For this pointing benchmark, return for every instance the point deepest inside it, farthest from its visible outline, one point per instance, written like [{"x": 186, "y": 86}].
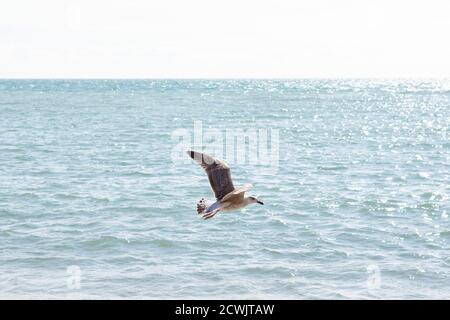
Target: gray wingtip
[
  {"x": 191, "y": 153},
  {"x": 203, "y": 159}
]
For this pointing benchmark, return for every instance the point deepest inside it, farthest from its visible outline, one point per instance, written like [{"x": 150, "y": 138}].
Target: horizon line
[{"x": 226, "y": 78}]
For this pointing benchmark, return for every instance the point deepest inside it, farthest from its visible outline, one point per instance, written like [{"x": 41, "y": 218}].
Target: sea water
[{"x": 92, "y": 204}]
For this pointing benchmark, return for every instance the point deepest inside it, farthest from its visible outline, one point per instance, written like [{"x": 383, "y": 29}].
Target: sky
[{"x": 224, "y": 39}]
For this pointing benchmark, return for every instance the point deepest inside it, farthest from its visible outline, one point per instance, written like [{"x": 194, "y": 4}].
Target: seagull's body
[{"x": 228, "y": 198}]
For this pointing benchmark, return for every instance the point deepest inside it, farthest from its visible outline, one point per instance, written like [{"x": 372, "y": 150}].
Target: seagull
[{"x": 228, "y": 198}]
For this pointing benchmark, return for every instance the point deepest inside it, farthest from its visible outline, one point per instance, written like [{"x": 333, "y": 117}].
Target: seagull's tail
[{"x": 201, "y": 206}]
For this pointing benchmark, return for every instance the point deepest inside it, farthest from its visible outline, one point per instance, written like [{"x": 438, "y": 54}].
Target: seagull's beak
[{"x": 260, "y": 202}]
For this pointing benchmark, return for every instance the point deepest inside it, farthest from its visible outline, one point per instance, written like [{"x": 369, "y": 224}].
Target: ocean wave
[{"x": 106, "y": 241}]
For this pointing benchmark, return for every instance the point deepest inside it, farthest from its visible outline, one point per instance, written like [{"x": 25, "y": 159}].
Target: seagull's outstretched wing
[{"x": 219, "y": 173}]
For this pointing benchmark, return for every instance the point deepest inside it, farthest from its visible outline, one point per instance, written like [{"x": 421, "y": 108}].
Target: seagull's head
[{"x": 255, "y": 200}]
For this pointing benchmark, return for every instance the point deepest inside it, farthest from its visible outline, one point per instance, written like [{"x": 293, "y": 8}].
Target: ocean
[{"x": 94, "y": 205}]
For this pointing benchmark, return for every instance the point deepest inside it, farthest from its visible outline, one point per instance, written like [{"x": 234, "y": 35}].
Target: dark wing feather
[{"x": 219, "y": 173}]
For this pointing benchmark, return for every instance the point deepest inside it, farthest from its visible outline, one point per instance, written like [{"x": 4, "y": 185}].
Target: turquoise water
[{"x": 358, "y": 207}]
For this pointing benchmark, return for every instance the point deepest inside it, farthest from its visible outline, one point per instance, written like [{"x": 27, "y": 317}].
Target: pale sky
[{"x": 224, "y": 39}]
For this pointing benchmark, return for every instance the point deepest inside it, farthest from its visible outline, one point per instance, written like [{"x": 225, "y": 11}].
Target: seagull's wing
[
  {"x": 219, "y": 173},
  {"x": 238, "y": 192}
]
